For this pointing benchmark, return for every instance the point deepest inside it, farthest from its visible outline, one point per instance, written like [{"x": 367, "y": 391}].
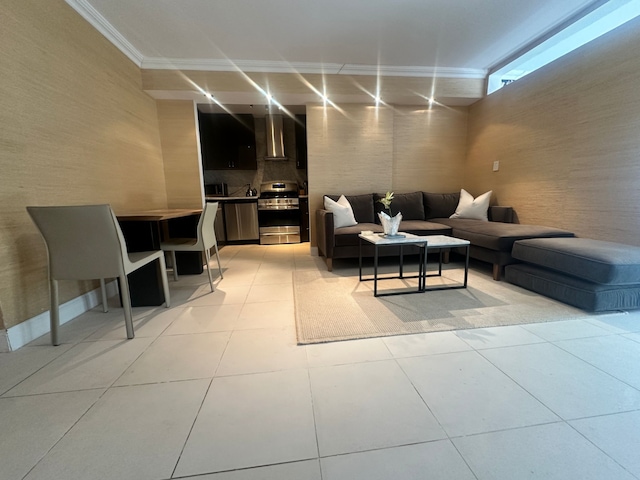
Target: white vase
[{"x": 390, "y": 225}]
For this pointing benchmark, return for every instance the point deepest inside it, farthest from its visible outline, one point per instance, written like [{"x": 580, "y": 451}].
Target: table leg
[
  {"x": 401, "y": 268},
  {"x": 375, "y": 270},
  {"x": 359, "y": 258},
  {"x": 422, "y": 269},
  {"x": 466, "y": 267}
]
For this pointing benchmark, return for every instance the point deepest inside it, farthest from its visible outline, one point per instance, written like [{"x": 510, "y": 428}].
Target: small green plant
[{"x": 386, "y": 201}]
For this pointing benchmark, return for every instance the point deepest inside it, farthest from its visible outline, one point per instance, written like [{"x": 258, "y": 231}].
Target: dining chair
[
  {"x": 206, "y": 239},
  {"x": 85, "y": 242}
]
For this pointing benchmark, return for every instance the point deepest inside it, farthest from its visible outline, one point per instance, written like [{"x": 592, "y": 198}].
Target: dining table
[{"x": 144, "y": 230}]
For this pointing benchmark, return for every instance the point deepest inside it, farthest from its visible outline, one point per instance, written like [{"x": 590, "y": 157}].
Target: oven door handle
[{"x": 280, "y": 207}]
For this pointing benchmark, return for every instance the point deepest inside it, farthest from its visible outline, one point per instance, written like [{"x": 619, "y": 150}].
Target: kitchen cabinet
[
  {"x": 301, "y": 142},
  {"x": 227, "y": 142},
  {"x": 304, "y": 218}
]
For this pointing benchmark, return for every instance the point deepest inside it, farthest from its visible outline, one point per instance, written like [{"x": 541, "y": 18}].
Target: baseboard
[
  {"x": 27, "y": 331},
  {"x": 313, "y": 251}
]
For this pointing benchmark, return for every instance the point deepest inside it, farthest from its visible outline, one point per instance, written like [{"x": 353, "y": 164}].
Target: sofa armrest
[
  {"x": 501, "y": 214},
  {"x": 325, "y": 232}
]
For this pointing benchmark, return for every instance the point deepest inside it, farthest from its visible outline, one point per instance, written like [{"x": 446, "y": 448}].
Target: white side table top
[{"x": 432, "y": 241}]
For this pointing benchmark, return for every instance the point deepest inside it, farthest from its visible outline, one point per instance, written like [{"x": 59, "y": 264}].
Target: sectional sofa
[{"x": 425, "y": 213}]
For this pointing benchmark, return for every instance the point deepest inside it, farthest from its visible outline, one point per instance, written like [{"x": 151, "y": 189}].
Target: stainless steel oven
[{"x": 279, "y": 213}]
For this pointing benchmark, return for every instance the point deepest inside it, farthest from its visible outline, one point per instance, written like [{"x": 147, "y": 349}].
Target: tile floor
[{"x": 216, "y": 388}]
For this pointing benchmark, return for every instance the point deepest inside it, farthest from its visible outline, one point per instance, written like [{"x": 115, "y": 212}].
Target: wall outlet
[{"x": 496, "y": 165}]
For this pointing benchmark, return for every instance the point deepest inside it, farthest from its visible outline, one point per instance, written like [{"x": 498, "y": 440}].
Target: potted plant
[{"x": 390, "y": 224}]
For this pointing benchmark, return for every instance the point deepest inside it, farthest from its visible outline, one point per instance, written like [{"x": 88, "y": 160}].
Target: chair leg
[
  {"x": 103, "y": 289},
  {"x": 165, "y": 281},
  {"x": 218, "y": 259},
  {"x": 55, "y": 312},
  {"x": 174, "y": 264},
  {"x": 126, "y": 305},
  {"x": 207, "y": 257}
]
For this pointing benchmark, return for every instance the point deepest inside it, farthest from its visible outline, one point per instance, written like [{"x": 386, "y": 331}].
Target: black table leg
[
  {"x": 375, "y": 270},
  {"x": 466, "y": 267},
  {"x": 360, "y": 258}
]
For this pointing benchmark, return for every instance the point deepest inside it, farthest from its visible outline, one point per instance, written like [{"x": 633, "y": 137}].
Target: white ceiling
[{"x": 412, "y": 38}]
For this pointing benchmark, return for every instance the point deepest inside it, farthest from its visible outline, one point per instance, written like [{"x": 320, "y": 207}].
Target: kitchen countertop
[{"x": 211, "y": 198}]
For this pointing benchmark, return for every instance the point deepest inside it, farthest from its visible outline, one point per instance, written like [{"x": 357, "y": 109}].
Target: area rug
[{"x": 332, "y": 307}]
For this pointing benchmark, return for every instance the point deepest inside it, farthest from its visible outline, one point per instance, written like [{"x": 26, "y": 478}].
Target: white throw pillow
[
  {"x": 342, "y": 212},
  {"x": 468, "y": 207}
]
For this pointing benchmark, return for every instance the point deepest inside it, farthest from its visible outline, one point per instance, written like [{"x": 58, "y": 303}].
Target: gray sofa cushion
[
  {"x": 593, "y": 260},
  {"x": 348, "y": 236},
  {"x": 421, "y": 227},
  {"x": 497, "y": 235},
  {"x": 440, "y": 205},
  {"x": 580, "y": 293},
  {"x": 362, "y": 206},
  {"x": 410, "y": 204}
]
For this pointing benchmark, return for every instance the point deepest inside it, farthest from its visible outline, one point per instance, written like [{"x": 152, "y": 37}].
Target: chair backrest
[
  {"x": 83, "y": 242},
  {"x": 206, "y": 231}
]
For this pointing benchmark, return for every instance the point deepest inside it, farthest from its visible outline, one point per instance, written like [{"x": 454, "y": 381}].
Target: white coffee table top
[{"x": 432, "y": 241}]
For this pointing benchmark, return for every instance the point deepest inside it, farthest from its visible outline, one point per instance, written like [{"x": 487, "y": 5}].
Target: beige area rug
[{"x": 332, "y": 307}]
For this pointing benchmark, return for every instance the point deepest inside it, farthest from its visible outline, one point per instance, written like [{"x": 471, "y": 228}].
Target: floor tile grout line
[
  {"x": 204, "y": 398},
  {"x": 598, "y": 448},
  {"x": 315, "y": 420},
  {"x": 609, "y": 374},
  {"x": 2, "y": 394},
  {"x": 193, "y": 423},
  {"x": 66, "y": 432},
  {"x": 522, "y": 386}
]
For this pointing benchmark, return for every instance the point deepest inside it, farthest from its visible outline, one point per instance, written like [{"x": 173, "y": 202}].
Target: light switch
[{"x": 496, "y": 165}]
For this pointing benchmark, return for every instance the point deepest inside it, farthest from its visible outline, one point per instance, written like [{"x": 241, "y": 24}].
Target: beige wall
[
  {"x": 429, "y": 148},
  {"x": 182, "y": 164},
  {"x": 75, "y": 128},
  {"x": 567, "y": 138},
  {"x": 363, "y": 149}
]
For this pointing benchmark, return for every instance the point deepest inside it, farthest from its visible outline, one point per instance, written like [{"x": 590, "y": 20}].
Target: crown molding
[
  {"x": 412, "y": 71},
  {"x": 225, "y": 65},
  {"x": 91, "y": 15}
]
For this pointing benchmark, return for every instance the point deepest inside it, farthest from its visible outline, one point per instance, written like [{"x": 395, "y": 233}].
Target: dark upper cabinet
[
  {"x": 227, "y": 141},
  {"x": 301, "y": 141}
]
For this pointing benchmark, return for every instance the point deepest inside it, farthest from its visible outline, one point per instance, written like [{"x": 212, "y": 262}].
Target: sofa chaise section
[{"x": 492, "y": 242}]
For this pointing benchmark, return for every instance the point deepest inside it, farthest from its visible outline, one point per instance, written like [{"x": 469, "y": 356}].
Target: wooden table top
[{"x": 157, "y": 215}]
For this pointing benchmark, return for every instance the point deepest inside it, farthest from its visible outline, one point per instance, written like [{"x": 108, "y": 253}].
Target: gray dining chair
[
  {"x": 85, "y": 242},
  {"x": 206, "y": 239}
]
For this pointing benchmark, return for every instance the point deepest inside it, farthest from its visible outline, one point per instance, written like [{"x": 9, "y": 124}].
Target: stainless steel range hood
[{"x": 275, "y": 139}]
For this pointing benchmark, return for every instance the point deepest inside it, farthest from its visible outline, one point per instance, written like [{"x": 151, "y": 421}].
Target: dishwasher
[{"x": 241, "y": 221}]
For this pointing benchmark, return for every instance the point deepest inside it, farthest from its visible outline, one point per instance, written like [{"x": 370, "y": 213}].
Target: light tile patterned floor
[{"x": 216, "y": 388}]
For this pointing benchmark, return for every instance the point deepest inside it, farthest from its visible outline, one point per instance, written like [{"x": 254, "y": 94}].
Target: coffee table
[{"x": 424, "y": 243}]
